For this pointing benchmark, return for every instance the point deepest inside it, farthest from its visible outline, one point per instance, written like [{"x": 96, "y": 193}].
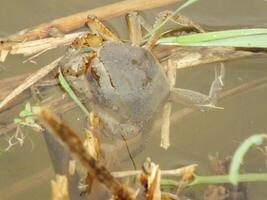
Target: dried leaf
[
  {"x": 60, "y": 188},
  {"x": 154, "y": 192},
  {"x": 91, "y": 144},
  {"x": 93, "y": 120},
  {"x": 88, "y": 183},
  {"x": 150, "y": 179},
  {"x": 188, "y": 173},
  {"x": 3, "y": 55}
]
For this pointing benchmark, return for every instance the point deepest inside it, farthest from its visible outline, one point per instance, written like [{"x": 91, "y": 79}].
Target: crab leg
[
  {"x": 178, "y": 19},
  {"x": 217, "y": 85},
  {"x": 195, "y": 99},
  {"x": 98, "y": 27},
  {"x": 166, "y": 113},
  {"x": 134, "y": 28},
  {"x": 135, "y": 23}
]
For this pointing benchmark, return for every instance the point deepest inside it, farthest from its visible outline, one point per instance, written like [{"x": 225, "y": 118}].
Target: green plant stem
[
  {"x": 70, "y": 92},
  {"x": 256, "y": 139},
  {"x": 250, "y": 177},
  {"x": 168, "y": 183}
]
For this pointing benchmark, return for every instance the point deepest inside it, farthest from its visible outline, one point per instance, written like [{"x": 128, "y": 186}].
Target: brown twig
[
  {"x": 75, "y": 145},
  {"x": 73, "y": 22}
]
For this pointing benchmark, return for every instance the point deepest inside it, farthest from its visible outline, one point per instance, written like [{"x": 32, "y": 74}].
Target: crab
[{"x": 123, "y": 83}]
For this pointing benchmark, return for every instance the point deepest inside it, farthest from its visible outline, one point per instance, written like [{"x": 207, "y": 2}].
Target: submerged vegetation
[{"x": 182, "y": 50}]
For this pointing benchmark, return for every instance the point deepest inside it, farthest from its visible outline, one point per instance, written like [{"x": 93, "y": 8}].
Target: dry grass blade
[
  {"x": 73, "y": 22},
  {"x": 75, "y": 145},
  {"x": 36, "y": 46},
  {"x": 32, "y": 79},
  {"x": 154, "y": 192},
  {"x": 172, "y": 172},
  {"x": 3, "y": 55},
  {"x": 149, "y": 179},
  {"x": 193, "y": 56}
]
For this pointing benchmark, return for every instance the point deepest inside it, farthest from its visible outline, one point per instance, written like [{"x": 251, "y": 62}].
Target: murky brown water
[{"x": 25, "y": 171}]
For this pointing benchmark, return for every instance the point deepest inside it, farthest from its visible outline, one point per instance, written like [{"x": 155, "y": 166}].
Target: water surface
[{"x": 25, "y": 172}]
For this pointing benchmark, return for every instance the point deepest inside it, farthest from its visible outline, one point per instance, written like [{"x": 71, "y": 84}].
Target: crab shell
[
  {"x": 123, "y": 83},
  {"x": 130, "y": 81}
]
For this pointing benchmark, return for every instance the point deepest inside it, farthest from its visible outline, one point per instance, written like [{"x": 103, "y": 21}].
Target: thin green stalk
[
  {"x": 250, "y": 177},
  {"x": 168, "y": 183},
  {"x": 256, "y": 139},
  {"x": 198, "y": 180},
  {"x": 70, "y": 92}
]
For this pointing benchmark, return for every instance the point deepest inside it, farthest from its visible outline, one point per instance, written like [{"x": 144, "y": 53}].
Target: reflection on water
[{"x": 25, "y": 171}]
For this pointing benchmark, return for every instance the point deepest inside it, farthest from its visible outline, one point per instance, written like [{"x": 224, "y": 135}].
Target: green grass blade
[
  {"x": 67, "y": 88},
  {"x": 233, "y": 38},
  {"x": 252, "y": 41},
  {"x": 186, "y": 4},
  {"x": 219, "y": 179},
  {"x": 240, "y": 153}
]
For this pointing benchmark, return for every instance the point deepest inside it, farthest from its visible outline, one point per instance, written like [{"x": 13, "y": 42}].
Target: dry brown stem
[
  {"x": 172, "y": 172},
  {"x": 73, "y": 22},
  {"x": 75, "y": 145},
  {"x": 29, "y": 81},
  {"x": 193, "y": 56},
  {"x": 37, "y": 46}
]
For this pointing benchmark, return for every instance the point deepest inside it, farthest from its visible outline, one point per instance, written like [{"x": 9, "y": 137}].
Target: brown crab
[{"x": 123, "y": 83}]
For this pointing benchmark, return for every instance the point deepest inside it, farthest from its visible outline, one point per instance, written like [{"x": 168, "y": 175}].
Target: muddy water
[{"x": 25, "y": 171}]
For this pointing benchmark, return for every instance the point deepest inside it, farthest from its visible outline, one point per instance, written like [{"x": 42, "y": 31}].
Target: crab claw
[{"x": 217, "y": 85}]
